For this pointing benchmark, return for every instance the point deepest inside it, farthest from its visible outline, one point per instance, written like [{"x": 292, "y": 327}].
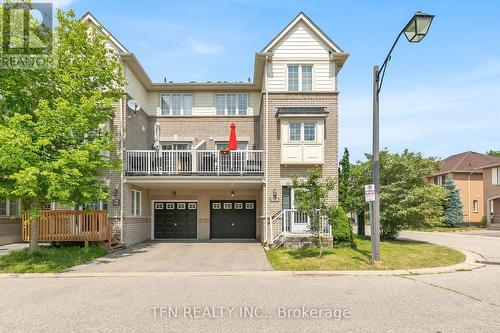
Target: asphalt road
[{"x": 454, "y": 302}]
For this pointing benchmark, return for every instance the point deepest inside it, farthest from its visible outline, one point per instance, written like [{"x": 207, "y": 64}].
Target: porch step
[{"x": 279, "y": 242}]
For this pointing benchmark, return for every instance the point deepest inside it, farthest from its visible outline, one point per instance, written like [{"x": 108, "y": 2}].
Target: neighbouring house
[
  {"x": 491, "y": 181},
  {"x": 466, "y": 170},
  {"x": 180, "y": 181},
  {"x": 10, "y": 223}
]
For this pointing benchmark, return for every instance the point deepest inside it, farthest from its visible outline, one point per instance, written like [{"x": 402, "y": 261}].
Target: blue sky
[{"x": 440, "y": 96}]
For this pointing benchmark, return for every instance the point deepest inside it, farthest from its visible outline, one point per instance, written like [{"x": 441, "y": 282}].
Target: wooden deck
[{"x": 71, "y": 225}]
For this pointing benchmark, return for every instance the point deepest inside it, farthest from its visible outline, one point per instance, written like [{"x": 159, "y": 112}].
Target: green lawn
[
  {"x": 48, "y": 259},
  {"x": 394, "y": 254},
  {"x": 446, "y": 228}
]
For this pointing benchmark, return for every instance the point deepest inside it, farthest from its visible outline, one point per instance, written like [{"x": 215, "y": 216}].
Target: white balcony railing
[{"x": 187, "y": 162}]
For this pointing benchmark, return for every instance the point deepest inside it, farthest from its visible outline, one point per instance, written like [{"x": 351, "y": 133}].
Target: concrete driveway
[{"x": 183, "y": 256}]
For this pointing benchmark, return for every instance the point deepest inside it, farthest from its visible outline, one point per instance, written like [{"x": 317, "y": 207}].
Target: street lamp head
[{"x": 418, "y": 26}]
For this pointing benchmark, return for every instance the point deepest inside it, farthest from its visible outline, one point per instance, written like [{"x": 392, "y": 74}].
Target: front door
[
  {"x": 175, "y": 220},
  {"x": 232, "y": 219}
]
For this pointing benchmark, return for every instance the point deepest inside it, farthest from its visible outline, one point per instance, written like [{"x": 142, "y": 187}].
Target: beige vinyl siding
[
  {"x": 204, "y": 103},
  {"x": 301, "y": 47},
  {"x": 324, "y": 76},
  {"x": 301, "y": 44},
  {"x": 135, "y": 89}
]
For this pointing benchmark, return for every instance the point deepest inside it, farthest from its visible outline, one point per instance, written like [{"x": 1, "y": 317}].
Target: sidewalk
[{"x": 6, "y": 249}]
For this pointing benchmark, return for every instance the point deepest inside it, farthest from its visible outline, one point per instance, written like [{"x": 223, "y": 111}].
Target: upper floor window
[
  {"x": 302, "y": 131},
  {"x": 495, "y": 176},
  {"x": 231, "y": 104},
  {"x": 9, "y": 207},
  {"x": 300, "y": 77},
  {"x": 176, "y": 104}
]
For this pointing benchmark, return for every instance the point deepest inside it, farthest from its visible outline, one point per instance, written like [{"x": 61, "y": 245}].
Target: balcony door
[
  {"x": 176, "y": 146},
  {"x": 176, "y": 157}
]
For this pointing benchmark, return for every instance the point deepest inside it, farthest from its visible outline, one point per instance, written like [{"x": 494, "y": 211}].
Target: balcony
[{"x": 194, "y": 162}]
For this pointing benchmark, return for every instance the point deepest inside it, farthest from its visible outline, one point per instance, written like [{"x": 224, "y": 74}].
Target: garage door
[
  {"x": 175, "y": 220},
  {"x": 232, "y": 219}
]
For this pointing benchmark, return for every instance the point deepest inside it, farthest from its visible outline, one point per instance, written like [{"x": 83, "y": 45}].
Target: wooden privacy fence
[{"x": 70, "y": 225}]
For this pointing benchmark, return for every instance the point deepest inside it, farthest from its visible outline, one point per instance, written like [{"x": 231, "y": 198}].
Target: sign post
[{"x": 370, "y": 198}]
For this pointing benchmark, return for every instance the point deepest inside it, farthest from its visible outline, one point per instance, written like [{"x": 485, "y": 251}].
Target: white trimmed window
[
  {"x": 439, "y": 180},
  {"x": 176, "y": 104},
  {"x": 231, "y": 104},
  {"x": 9, "y": 207},
  {"x": 302, "y": 131},
  {"x": 495, "y": 176},
  {"x": 475, "y": 206},
  {"x": 136, "y": 203},
  {"x": 300, "y": 77}
]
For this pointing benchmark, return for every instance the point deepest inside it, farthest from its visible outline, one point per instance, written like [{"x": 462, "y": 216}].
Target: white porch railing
[
  {"x": 185, "y": 162},
  {"x": 292, "y": 222}
]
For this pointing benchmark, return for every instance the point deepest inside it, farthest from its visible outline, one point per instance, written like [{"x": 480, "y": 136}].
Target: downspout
[
  {"x": 122, "y": 178},
  {"x": 266, "y": 153},
  {"x": 122, "y": 155},
  {"x": 469, "y": 196}
]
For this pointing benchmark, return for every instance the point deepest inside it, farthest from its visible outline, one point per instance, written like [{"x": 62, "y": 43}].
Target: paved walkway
[
  {"x": 185, "y": 256},
  {"x": 5, "y": 249}
]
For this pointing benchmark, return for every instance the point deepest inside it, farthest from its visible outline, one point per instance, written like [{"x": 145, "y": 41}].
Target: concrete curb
[{"x": 472, "y": 261}]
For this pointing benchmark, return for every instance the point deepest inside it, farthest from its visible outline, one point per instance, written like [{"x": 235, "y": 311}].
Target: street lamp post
[{"x": 415, "y": 30}]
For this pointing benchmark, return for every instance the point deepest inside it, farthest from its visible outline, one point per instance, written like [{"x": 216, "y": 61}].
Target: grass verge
[
  {"x": 48, "y": 259},
  {"x": 395, "y": 255},
  {"x": 447, "y": 228}
]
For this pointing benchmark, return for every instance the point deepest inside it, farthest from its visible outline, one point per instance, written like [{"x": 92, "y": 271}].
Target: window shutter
[{"x": 494, "y": 176}]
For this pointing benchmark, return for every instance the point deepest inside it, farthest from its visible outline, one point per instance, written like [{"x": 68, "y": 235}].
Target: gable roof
[
  {"x": 301, "y": 17},
  {"x": 89, "y": 17},
  {"x": 468, "y": 161}
]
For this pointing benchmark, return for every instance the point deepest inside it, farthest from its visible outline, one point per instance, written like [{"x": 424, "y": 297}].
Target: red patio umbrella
[{"x": 233, "y": 143}]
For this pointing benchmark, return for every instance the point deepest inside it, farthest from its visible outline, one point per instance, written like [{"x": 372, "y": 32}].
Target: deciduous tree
[{"x": 52, "y": 138}]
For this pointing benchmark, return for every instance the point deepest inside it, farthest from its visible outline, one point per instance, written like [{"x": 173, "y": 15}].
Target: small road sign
[{"x": 369, "y": 192}]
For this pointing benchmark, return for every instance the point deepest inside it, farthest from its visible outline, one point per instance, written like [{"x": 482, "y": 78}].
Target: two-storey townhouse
[{"x": 179, "y": 180}]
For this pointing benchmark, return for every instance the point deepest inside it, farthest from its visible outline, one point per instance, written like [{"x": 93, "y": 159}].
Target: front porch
[
  {"x": 71, "y": 226},
  {"x": 291, "y": 228}
]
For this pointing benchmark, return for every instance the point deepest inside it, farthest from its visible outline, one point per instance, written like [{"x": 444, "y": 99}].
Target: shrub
[{"x": 341, "y": 228}]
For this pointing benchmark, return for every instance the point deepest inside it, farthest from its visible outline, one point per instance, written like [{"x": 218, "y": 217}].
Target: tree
[
  {"x": 52, "y": 136},
  {"x": 311, "y": 198},
  {"x": 495, "y": 153},
  {"x": 407, "y": 200},
  {"x": 346, "y": 198},
  {"x": 453, "y": 209}
]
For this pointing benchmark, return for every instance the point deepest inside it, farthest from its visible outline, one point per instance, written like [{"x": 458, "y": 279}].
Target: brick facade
[
  {"x": 280, "y": 174},
  {"x": 491, "y": 197}
]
